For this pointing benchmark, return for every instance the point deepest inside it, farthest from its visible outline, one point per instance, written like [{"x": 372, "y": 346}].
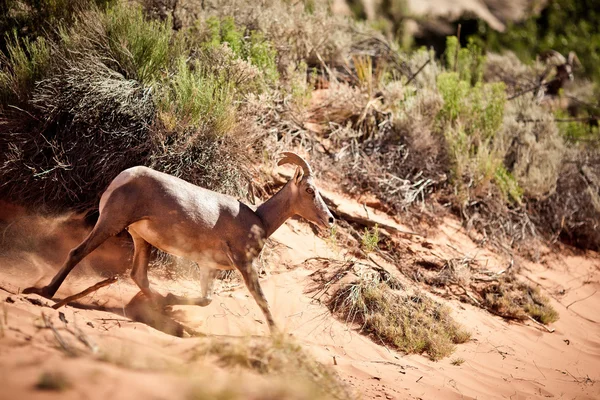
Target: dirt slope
[{"x": 502, "y": 360}]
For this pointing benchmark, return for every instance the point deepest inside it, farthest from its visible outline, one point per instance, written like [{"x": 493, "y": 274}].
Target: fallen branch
[
  {"x": 87, "y": 291},
  {"x": 551, "y": 330},
  {"x": 366, "y": 222}
]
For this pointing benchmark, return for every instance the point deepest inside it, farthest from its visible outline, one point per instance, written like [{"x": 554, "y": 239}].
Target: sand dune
[{"x": 502, "y": 359}]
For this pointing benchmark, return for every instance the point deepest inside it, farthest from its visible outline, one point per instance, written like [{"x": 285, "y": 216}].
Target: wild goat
[{"x": 214, "y": 230}]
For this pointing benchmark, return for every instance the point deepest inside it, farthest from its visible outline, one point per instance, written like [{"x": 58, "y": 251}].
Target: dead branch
[
  {"x": 84, "y": 293},
  {"x": 418, "y": 71},
  {"x": 61, "y": 341},
  {"x": 366, "y": 222},
  {"x": 551, "y": 330}
]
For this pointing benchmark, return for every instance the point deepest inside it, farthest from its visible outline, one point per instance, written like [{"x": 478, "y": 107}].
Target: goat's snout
[{"x": 331, "y": 220}]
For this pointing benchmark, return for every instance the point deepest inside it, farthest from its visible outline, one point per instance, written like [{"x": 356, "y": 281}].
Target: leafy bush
[
  {"x": 253, "y": 47},
  {"x": 26, "y": 61},
  {"x": 198, "y": 100},
  {"x": 116, "y": 92},
  {"x": 470, "y": 119},
  {"x": 141, "y": 47}
]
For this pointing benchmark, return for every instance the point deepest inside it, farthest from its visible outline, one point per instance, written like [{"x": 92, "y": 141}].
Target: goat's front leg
[
  {"x": 250, "y": 276},
  {"x": 207, "y": 283}
]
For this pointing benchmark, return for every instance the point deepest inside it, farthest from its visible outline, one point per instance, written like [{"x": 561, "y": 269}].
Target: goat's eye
[{"x": 310, "y": 191}]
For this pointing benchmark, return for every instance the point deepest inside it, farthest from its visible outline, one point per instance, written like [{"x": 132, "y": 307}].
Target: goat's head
[{"x": 306, "y": 200}]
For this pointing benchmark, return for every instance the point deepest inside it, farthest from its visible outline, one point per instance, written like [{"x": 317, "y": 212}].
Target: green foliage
[
  {"x": 198, "y": 99},
  {"x": 370, "y": 239},
  {"x": 262, "y": 54},
  {"x": 468, "y": 62},
  {"x": 141, "y": 46},
  {"x": 575, "y": 131},
  {"x": 26, "y": 63},
  {"x": 563, "y": 25},
  {"x": 253, "y": 48},
  {"x": 471, "y": 118},
  {"x": 508, "y": 185}
]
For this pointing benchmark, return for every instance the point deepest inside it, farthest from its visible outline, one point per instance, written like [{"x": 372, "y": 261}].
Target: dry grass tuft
[
  {"x": 457, "y": 361},
  {"x": 411, "y": 323},
  {"x": 511, "y": 298},
  {"x": 275, "y": 356},
  {"x": 366, "y": 297},
  {"x": 501, "y": 293}
]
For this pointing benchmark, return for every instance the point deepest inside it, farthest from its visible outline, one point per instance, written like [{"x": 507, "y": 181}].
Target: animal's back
[{"x": 177, "y": 216}]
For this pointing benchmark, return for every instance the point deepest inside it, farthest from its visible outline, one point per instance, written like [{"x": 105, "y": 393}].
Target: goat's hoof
[{"x": 39, "y": 291}]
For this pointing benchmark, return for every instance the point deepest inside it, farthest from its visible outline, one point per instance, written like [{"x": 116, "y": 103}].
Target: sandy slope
[{"x": 503, "y": 360}]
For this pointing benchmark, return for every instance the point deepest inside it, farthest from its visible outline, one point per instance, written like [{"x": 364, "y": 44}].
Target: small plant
[
  {"x": 53, "y": 381},
  {"x": 332, "y": 238},
  {"x": 370, "y": 239},
  {"x": 457, "y": 361},
  {"x": 467, "y": 62}
]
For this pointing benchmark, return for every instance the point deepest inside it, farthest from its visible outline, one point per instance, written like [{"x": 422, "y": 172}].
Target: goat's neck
[{"x": 275, "y": 211}]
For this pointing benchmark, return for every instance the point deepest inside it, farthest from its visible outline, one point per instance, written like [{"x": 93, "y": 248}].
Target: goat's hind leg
[
  {"x": 139, "y": 272},
  {"x": 207, "y": 280},
  {"x": 103, "y": 230}
]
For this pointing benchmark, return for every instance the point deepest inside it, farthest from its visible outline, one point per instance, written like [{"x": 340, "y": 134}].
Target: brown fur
[{"x": 214, "y": 230}]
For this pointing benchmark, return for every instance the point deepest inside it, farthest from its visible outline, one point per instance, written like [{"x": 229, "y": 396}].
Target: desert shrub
[
  {"x": 512, "y": 298},
  {"x": 116, "y": 93},
  {"x": 411, "y": 323},
  {"x": 140, "y": 46},
  {"x": 572, "y": 212},
  {"x": 93, "y": 120},
  {"x": 198, "y": 99},
  {"x": 577, "y": 131},
  {"x": 297, "y": 32},
  {"x": 467, "y": 62},
  {"x": 470, "y": 118},
  {"x": 27, "y": 61},
  {"x": 252, "y": 47},
  {"x": 516, "y": 75},
  {"x": 533, "y": 145}
]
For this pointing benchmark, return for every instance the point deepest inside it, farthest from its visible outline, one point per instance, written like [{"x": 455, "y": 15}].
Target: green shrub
[
  {"x": 468, "y": 62},
  {"x": 253, "y": 47},
  {"x": 198, "y": 99},
  {"x": 142, "y": 47},
  {"x": 470, "y": 119},
  {"x": 26, "y": 62}
]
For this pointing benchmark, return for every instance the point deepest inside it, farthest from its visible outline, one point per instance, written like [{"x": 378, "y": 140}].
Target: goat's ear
[{"x": 298, "y": 176}]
